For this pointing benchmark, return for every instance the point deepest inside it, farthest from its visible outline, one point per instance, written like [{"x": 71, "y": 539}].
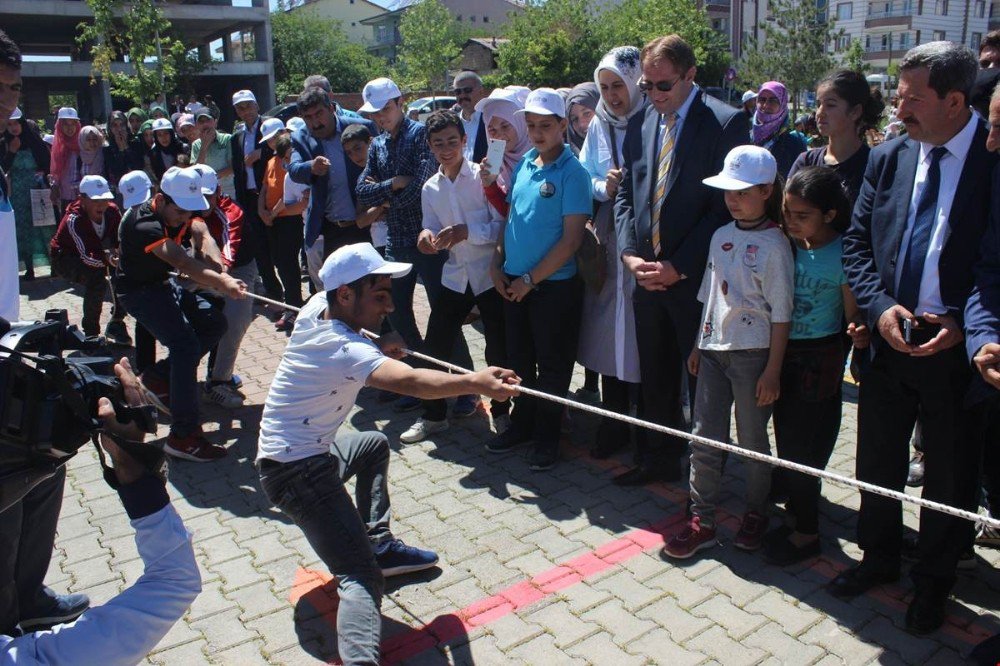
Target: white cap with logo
[
  {"x": 378, "y": 93},
  {"x": 353, "y": 262},
  {"x": 209, "y": 178},
  {"x": 136, "y": 188},
  {"x": 193, "y": 107},
  {"x": 95, "y": 187},
  {"x": 162, "y": 124},
  {"x": 749, "y": 95},
  {"x": 185, "y": 120},
  {"x": 184, "y": 187},
  {"x": 241, "y": 96},
  {"x": 269, "y": 128},
  {"x": 745, "y": 166},
  {"x": 544, "y": 102},
  {"x": 67, "y": 113},
  {"x": 295, "y": 124}
]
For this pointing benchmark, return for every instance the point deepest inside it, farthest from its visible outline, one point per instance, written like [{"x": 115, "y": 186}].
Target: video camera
[{"x": 48, "y": 404}]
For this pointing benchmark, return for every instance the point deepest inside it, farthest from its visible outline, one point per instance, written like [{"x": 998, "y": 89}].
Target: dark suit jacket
[
  {"x": 872, "y": 243},
  {"x": 692, "y": 210},
  {"x": 482, "y": 145},
  {"x": 239, "y": 169},
  {"x": 305, "y": 148}
]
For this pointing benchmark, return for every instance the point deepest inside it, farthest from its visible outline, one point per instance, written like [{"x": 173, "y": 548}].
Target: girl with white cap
[
  {"x": 747, "y": 292},
  {"x": 65, "y": 171},
  {"x": 607, "y": 329}
]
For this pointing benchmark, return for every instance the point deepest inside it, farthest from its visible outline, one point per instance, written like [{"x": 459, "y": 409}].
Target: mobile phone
[
  {"x": 494, "y": 155},
  {"x": 908, "y": 331}
]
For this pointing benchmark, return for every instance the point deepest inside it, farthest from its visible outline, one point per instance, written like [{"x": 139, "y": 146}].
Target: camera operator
[
  {"x": 151, "y": 236},
  {"x": 127, "y": 627},
  {"x": 84, "y": 247}
]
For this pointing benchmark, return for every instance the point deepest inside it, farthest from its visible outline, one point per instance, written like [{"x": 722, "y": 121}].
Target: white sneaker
[
  {"x": 224, "y": 395},
  {"x": 501, "y": 424},
  {"x": 423, "y": 429}
]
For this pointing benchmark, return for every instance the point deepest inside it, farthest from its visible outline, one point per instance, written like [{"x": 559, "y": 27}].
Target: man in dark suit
[
  {"x": 468, "y": 90},
  {"x": 665, "y": 218},
  {"x": 318, "y": 160},
  {"x": 908, "y": 256},
  {"x": 249, "y": 162}
]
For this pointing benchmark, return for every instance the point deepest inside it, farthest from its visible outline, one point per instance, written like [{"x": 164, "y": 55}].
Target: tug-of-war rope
[{"x": 978, "y": 519}]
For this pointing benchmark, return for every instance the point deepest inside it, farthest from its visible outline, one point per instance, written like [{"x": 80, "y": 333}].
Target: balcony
[{"x": 901, "y": 16}]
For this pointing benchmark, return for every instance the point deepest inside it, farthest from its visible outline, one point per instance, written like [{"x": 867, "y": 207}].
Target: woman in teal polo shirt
[{"x": 535, "y": 272}]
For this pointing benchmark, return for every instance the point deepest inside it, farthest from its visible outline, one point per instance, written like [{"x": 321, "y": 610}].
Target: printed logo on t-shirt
[
  {"x": 750, "y": 256},
  {"x": 547, "y": 189},
  {"x": 706, "y": 331},
  {"x": 726, "y": 247}
]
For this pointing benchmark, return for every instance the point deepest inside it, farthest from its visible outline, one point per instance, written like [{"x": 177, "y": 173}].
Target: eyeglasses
[
  {"x": 662, "y": 86},
  {"x": 463, "y": 91}
]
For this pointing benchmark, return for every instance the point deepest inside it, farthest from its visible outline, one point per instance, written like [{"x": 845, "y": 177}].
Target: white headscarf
[
  {"x": 503, "y": 102},
  {"x": 626, "y": 63}
]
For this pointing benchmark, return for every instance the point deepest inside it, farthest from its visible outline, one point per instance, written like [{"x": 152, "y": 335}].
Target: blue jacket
[
  {"x": 982, "y": 312},
  {"x": 305, "y": 148}
]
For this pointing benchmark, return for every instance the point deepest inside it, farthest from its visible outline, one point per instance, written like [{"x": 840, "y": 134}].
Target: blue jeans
[
  {"x": 189, "y": 327},
  {"x": 311, "y": 492}
]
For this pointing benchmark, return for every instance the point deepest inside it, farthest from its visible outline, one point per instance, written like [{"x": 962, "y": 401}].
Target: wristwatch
[{"x": 526, "y": 278}]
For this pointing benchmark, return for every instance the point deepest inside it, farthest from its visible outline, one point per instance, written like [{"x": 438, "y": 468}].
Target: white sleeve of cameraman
[{"x": 127, "y": 627}]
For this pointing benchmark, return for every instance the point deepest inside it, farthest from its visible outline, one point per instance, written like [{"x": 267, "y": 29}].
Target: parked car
[
  {"x": 730, "y": 96},
  {"x": 425, "y": 106}
]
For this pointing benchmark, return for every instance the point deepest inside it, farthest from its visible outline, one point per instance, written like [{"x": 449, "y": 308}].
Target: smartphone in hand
[{"x": 494, "y": 155}]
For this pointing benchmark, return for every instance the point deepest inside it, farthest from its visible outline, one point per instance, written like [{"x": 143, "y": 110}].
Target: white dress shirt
[
  {"x": 463, "y": 201},
  {"x": 250, "y": 145},
  {"x": 952, "y": 164},
  {"x": 471, "y": 133}
]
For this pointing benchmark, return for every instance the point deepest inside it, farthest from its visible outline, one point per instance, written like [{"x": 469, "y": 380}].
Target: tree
[
  {"x": 636, "y": 22},
  {"x": 306, "y": 44},
  {"x": 431, "y": 40},
  {"x": 854, "y": 58},
  {"x": 552, "y": 43},
  {"x": 158, "y": 59},
  {"x": 795, "y": 49}
]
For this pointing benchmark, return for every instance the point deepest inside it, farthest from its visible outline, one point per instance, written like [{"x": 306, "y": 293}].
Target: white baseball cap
[
  {"x": 749, "y": 95},
  {"x": 49, "y": 138},
  {"x": 184, "y": 187},
  {"x": 95, "y": 187},
  {"x": 544, "y": 102},
  {"x": 377, "y": 94},
  {"x": 193, "y": 107},
  {"x": 295, "y": 124},
  {"x": 162, "y": 124},
  {"x": 67, "y": 113},
  {"x": 136, "y": 188},
  {"x": 353, "y": 262},
  {"x": 269, "y": 128},
  {"x": 209, "y": 178},
  {"x": 241, "y": 96},
  {"x": 16, "y": 115},
  {"x": 203, "y": 111},
  {"x": 745, "y": 166},
  {"x": 185, "y": 120}
]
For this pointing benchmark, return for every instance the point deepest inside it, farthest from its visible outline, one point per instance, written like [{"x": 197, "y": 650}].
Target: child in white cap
[{"x": 747, "y": 292}]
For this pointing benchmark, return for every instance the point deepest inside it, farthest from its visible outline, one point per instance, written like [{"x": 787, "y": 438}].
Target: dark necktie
[{"x": 920, "y": 237}]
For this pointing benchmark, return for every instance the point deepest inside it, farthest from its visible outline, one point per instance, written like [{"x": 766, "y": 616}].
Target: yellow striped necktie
[{"x": 662, "y": 173}]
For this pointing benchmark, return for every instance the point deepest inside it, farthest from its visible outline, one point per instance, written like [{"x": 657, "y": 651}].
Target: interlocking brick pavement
[{"x": 560, "y": 567}]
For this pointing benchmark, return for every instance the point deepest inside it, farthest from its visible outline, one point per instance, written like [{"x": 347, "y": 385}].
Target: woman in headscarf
[
  {"x": 142, "y": 150},
  {"x": 607, "y": 334},
  {"x": 771, "y": 128},
  {"x": 136, "y": 117},
  {"x": 503, "y": 124},
  {"x": 580, "y": 105},
  {"x": 25, "y": 159},
  {"x": 167, "y": 148},
  {"x": 91, "y": 152},
  {"x": 65, "y": 165}
]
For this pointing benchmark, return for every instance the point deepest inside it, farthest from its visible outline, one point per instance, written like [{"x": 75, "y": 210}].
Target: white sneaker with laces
[
  {"x": 422, "y": 429},
  {"x": 224, "y": 395}
]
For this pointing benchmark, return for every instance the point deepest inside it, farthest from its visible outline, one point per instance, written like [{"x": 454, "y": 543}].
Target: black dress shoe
[
  {"x": 925, "y": 614},
  {"x": 862, "y": 578},
  {"x": 782, "y": 552},
  {"x": 641, "y": 475},
  {"x": 612, "y": 437}
]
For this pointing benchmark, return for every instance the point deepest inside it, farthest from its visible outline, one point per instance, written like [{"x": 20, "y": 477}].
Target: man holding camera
[
  {"x": 140, "y": 616},
  {"x": 183, "y": 321}
]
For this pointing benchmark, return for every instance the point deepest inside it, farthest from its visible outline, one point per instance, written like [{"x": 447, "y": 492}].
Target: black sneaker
[
  {"x": 543, "y": 459},
  {"x": 395, "y": 558},
  {"x": 506, "y": 441},
  {"x": 61, "y": 608},
  {"x": 117, "y": 334}
]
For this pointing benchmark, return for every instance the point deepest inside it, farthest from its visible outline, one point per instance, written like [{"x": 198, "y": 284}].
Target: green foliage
[
  {"x": 306, "y": 44},
  {"x": 159, "y": 60},
  {"x": 854, "y": 58},
  {"x": 552, "y": 43},
  {"x": 431, "y": 40},
  {"x": 795, "y": 50}
]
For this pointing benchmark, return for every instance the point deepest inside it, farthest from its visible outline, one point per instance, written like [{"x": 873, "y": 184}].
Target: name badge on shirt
[{"x": 547, "y": 189}]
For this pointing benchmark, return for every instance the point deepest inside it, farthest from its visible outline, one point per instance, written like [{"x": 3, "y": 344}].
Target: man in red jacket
[{"x": 84, "y": 247}]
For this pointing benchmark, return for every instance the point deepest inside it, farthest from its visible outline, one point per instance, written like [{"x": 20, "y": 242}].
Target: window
[
  {"x": 843, "y": 42},
  {"x": 845, "y": 11},
  {"x": 904, "y": 40},
  {"x": 942, "y": 7},
  {"x": 940, "y": 36},
  {"x": 381, "y": 34},
  {"x": 980, "y": 9},
  {"x": 472, "y": 19},
  {"x": 459, "y": 18},
  {"x": 976, "y": 40},
  {"x": 486, "y": 19}
]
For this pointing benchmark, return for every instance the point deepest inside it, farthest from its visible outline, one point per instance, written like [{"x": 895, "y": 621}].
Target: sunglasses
[
  {"x": 463, "y": 91},
  {"x": 662, "y": 86}
]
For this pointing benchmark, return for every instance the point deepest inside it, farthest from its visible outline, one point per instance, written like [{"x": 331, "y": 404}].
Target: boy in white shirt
[{"x": 457, "y": 217}]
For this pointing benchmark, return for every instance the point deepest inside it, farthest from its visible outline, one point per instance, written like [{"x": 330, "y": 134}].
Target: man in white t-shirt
[{"x": 304, "y": 462}]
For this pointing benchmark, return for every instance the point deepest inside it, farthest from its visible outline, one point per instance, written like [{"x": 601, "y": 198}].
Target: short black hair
[
  {"x": 10, "y": 53},
  {"x": 283, "y": 145},
  {"x": 822, "y": 188},
  {"x": 355, "y": 132},
  {"x": 442, "y": 120},
  {"x": 356, "y": 286},
  {"x": 311, "y": 97}
]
